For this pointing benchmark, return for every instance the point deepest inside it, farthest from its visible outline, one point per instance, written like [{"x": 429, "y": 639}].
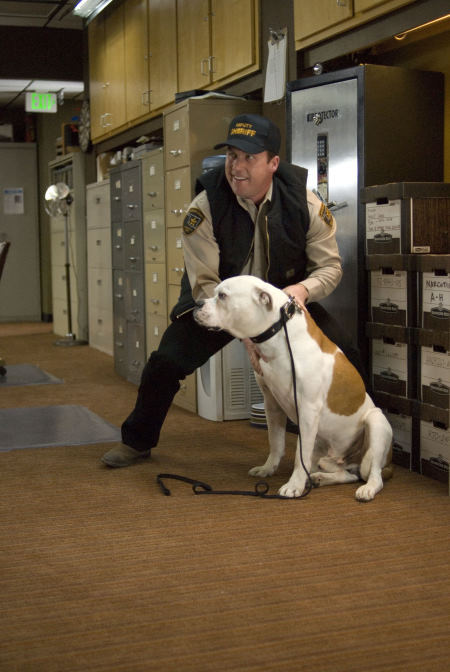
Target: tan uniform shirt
[{"x": 201, "y": 251}]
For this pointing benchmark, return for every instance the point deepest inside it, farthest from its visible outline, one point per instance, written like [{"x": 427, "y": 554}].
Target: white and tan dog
[{"x": 344, "y": 437}]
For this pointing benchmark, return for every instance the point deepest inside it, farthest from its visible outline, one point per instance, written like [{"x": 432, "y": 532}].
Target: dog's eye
[{"x": 221, "y": 296}]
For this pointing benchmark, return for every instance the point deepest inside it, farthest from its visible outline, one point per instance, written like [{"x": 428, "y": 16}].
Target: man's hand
[
  {"x": 299, "y": 292},
  {"x": 254, "y": 355}
]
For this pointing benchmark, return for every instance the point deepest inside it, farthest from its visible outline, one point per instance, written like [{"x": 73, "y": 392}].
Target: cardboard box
[
  {"x": 435, "y": 300},
  {"x": 407, "y": 218},
  {"x": 392, "y": 367},
  {"x": 434, "y": 450},
  {"x": 402, "y": 448},
  {"x": 434, "y": 376},
  {"x": 389, "y": 297}
]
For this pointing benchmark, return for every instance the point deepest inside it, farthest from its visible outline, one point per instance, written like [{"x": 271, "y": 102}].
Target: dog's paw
[
  {"x": 317, "y": 478},
  {"x": 291, "y": 490},
  {"x": 366, "y": 492},
  {"x": 263, "y": 471}
]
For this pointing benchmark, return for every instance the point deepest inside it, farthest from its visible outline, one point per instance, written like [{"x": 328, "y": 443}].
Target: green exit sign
[{"x": 40, "y": 102}]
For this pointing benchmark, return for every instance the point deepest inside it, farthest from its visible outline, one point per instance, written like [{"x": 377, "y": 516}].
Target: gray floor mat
[
  {"x": 53, "y": 426},
  {"x": 26, "y": 374}
]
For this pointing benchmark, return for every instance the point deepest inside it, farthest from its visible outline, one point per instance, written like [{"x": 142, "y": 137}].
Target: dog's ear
[{"x": 264, "y": 298}]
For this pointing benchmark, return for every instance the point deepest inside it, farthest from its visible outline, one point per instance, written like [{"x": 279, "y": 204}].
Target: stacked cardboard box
[{"x": 408, "y": 262}]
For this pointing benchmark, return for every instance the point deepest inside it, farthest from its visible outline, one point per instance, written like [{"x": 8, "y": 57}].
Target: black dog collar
[{"x": 287, "y": 312}]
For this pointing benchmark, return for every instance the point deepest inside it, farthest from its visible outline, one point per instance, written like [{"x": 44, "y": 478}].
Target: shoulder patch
[
  {"x": 325, "y": 214},
  {"x": 192, "y": 221}
]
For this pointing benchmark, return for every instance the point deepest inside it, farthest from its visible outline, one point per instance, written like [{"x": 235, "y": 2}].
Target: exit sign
[{"x": 40, "y": 102}]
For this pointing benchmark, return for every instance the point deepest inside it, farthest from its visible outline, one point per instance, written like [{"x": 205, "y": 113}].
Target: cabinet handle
[
  {"x": 132, "y": 259},
  {"x": 175, "y": 152},
  {"x": 155, "y": 301},
  {"x": 178, "y": 270},
  {"x": 119, "y": 344},
  {"x": 341, "y": 3},
  {"x": 177, "y": 212},
  {"x": 132, "y": 205},
  {"x": 152, "y": 194},
  {"x": 118, "y": 247},
  {"x": 117, "y": 198},
  {"x": 202, "y": 69},
  {"x": 211, "y": 59},
  {"x": 118, "y": 296},
  {"x": 154, "y": 247},
  {"x": 99, "y": 320},
  {"x": 98, "y": 242}
]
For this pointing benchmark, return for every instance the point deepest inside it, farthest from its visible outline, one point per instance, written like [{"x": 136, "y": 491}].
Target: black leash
[{"x": 261, "y": 487}]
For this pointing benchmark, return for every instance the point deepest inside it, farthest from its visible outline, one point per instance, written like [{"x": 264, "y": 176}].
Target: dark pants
[{"x": 184, "y": 347}]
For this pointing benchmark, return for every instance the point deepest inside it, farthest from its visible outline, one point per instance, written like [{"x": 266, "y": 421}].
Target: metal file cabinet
[
  {"x": 99, "y": 266},
  {"x": 191, "y": 129},
  {"x": 128, "y": 270},
  {"x": 154, "y": 251}
]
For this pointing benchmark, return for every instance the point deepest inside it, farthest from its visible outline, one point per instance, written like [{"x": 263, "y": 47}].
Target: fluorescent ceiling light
[
  {"x": 50, "y": 86},
  {"x": 88, "y": 9}
]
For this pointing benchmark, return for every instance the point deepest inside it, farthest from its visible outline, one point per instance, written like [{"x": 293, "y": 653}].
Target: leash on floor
[{"x": 261, "y": 488}]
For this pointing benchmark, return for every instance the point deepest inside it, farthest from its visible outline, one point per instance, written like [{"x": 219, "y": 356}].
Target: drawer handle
[
  {"x": 118, "y": 296},
  {"x": 99, "y": 321},
  {"x": 133, "y": 259},
  {"x": 154, "y": 247},
  {"x": 99, "y": 282},
  {"x": 177, "y": 211},
  {"x": 155, "y": 301},
  {"x": 175, "y": 152},
  {"x": 117, "y": 198},
  {"x": 178, "y": 270},
  {"x": 118, "y": 247},
  {"x": 119, "y": 344},
  {"x": 152, "y": 194},
  {"x": 98, "y": 242},
  {"x": 131, "y": 206}
]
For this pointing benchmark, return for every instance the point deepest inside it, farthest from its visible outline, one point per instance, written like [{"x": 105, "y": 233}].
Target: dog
[{"x": 343, "y": 437}]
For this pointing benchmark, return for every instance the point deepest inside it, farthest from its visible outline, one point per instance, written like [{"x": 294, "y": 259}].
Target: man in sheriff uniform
[{"x": 253, "y": 216}]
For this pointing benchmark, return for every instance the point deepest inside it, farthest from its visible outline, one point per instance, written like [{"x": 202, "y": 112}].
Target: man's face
[{"x": 250, "y": 175}]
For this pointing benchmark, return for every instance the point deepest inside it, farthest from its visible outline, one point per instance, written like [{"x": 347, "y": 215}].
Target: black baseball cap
[{"x": 253, "y": 134}]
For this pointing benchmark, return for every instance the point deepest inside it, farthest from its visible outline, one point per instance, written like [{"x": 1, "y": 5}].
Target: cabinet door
[
  {"x": 114, "y": 115},
  {"x": 136, "y": 59},
  {"x": 233, "y": 40},
  {"x": 312, "y": 17},
  {"x": 162, "y": 29},
  {"x": 96, "y": 38},
  {"x": 193, "y": 44}
]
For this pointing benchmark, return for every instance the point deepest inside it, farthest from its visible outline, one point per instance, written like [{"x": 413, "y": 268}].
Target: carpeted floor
[{"x": 100, "y": 572}]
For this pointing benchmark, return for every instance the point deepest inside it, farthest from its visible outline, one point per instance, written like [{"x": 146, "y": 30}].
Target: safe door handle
[{"x": 333, "y": 206}]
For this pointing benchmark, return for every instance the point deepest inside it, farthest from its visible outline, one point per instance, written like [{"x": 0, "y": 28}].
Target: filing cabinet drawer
[
  {"x": 176, "y": 138},
  {"x": 135, "y": 352},
  {"x": 119, "y": 293},
  {"x": 155, "y": 289},
  {"x": 120, "y": 345},
  {"x": 100, "y": 329},
  {"x": 156, "y": 326},
  {"x": 99, "y": 248},
  {"x": 117, "y": 245},
  {"x": 178, "y": 196},
  {"x": 59, "y": 287},
  {"x": 58, "y": 249},
  {"x": 116, "y": 197},
  {"x": 100, "y": 288},
  {"x": 133, "y": 251},
  {"x": 134, "y": 298},
  {"x": 132, "y": 208},
  {"x": 175, "y": 259},
  {"x": 153, "y": 182},
  {"x": 98, "y": 208},
  {"x": 155, "y": 237}
]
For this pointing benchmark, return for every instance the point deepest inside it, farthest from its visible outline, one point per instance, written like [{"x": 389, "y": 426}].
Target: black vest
[{"x": 287, "y": 225}]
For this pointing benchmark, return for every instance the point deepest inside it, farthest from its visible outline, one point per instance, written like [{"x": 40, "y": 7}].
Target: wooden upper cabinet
[
  {"x": 162, "y": 29},
  {"x": 312, "y": 17},
  {"x": 193, "y": 42},
  {"x": 234, "y": 43},
  {"x": 107, "y": 72},
  {"x": 96, "y": 37},
  {"x": 136, "y": 59},
  {"x": 218, "y": 41},
  {"x": 115, "y": 114}
]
